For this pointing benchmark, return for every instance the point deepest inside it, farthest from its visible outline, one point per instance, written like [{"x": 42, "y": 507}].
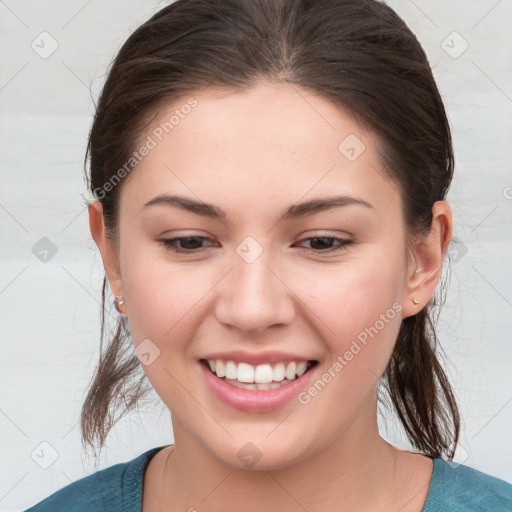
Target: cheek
[
  {"x": 341, "y": 299},
  {"x": 356, "y": 312},
  {"x": 358, "y": 322},
  {"x": 162, "y": 297},
  {"x": 347, "y": 299},
  {"x": 164, "y": 305}
]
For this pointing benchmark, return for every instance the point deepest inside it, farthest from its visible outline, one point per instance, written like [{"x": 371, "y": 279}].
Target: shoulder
[
  {"x": 459, "y": 488},
  {"x": 118, "y": 487}
]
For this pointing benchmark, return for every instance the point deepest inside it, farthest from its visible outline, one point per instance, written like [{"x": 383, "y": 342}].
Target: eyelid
[
  {"x": 342, "y": 244},
  {"x": 168, "y": 243}
]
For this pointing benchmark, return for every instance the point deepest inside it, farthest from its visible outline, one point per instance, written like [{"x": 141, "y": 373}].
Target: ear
[
  {"x": 426, "y": 260},
  {"x": 106, "y": 247}
]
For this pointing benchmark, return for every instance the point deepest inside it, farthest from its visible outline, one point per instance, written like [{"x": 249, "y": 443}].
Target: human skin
[{"x": 254, "y": 154}]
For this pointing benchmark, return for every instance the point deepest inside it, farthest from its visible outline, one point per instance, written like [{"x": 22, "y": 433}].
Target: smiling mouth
[{"x": 260, "y": 377}]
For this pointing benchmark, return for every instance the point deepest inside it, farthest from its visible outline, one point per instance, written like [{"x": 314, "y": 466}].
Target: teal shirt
[{"x": 118, "y": 488}]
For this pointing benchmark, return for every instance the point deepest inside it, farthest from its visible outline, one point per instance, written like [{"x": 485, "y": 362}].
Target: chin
[{"x": 259, "y": 454}]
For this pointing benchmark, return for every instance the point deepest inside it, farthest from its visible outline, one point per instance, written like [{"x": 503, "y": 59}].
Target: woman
[{"x": 270, "y": 181}]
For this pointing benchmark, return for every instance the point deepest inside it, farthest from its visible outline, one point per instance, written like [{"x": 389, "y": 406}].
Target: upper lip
[{"x": 240, "y": 356}]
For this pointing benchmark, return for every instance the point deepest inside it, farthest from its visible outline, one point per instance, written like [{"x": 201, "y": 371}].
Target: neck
[{"x": 357, "y": 470}]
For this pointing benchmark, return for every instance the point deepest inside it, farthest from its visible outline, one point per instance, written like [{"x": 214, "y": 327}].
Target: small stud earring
[
  {"x": 416, "y": 301},
  {"x": 118, "y": 301}
]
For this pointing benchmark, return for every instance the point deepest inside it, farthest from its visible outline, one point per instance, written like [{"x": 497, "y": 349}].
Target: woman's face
[{"x": 256, "y": 283}]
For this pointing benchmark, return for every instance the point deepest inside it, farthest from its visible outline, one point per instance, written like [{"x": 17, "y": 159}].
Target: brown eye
[
  {"x": 322, "y": 244},
  {"x": 188, "y": 244}
]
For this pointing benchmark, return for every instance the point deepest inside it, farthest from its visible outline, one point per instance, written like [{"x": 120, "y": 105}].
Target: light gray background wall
[{"x": 49, "y": 326}]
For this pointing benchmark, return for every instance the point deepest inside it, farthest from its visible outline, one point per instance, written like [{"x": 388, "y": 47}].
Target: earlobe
[
  {"x": 105, "y": 246},
  {"x": 428, "y": 257}
]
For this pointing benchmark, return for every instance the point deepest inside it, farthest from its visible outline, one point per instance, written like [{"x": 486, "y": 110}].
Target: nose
[{"x": 254, "y": 297}]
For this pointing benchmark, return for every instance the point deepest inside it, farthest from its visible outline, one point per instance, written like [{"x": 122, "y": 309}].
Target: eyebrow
[{"x": 292, "y": 212}]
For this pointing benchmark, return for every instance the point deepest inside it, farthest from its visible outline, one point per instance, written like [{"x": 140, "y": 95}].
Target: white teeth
[
  {"x": 291, "y": 369},
  {"x": 245, "y": 373},
  {"x": 219, "y": 368},
  {"x": 264, "y": 374},
  {"x": 301, "y": 368},
  {"x": 254, "y": 386},
  {"x": 279, "y": 371},
  {"x": 230, "y": 370}
]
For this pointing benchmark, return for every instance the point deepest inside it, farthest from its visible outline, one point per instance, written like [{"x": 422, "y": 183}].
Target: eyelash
[{"x": 169, "y": 243}]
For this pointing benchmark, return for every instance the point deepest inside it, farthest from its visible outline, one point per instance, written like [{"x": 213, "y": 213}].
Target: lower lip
[{"x": 255, "y": 400}]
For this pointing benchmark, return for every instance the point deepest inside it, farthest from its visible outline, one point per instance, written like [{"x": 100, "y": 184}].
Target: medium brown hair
[{"x": 360, "y": 55}]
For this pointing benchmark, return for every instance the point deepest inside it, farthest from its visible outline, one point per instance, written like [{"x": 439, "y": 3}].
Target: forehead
[{"x": 256, "y": 147}]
